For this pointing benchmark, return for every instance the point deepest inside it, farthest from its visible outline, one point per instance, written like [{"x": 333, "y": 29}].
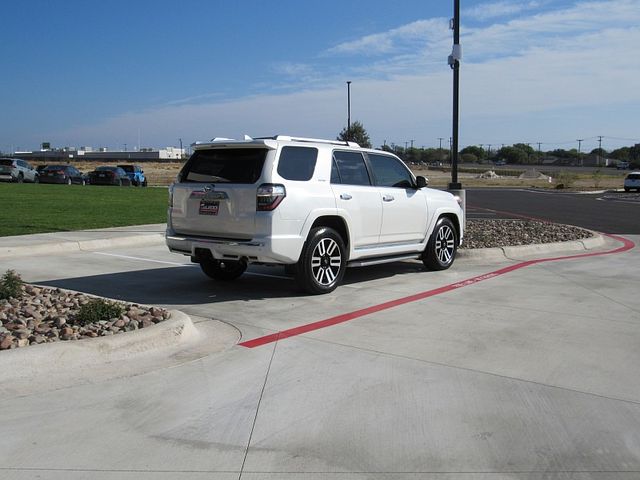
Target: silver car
[{"x": 17, "y": 170}]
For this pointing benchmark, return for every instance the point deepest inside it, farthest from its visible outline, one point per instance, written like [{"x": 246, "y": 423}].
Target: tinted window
[
  {"x": 351, "y": 169},
  {"x": 126, "y": 168},
  {"x": 55, "y": 167},
  {"x": 297, "y": 163},
  {"x": 225, "y": 165},
  {"x": 633, "y": 176},
  {"x": 390, "y": 172},
  {"x": 6, "y": 162}
]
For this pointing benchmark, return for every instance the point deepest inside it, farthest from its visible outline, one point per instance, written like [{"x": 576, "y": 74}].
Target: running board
[{"x": 365, "y": 262}]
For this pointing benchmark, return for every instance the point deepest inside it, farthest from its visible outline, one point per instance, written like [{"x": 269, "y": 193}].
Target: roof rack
[{"x": 288, "y": 138}]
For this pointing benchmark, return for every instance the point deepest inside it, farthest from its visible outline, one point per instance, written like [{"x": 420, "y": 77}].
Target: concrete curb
[
  {"x": 54, "y": 357},
  {"x": 519, "y": 251},
  {"x": 79, "y": 245}
]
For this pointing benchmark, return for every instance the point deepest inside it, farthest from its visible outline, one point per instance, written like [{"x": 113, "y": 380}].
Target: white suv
[{"x": 315, "y": 206}]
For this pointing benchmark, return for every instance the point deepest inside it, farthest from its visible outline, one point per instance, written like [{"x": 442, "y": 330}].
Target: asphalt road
[{"x": 603, "y": 212}]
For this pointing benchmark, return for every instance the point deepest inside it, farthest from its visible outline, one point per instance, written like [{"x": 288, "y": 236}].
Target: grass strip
[{"x": 36, "y": 208}]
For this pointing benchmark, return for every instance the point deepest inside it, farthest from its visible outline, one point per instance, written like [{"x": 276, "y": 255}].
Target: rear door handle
[
  {"x": 345, "y": 196},
  {"x": 388, "y": 198}
]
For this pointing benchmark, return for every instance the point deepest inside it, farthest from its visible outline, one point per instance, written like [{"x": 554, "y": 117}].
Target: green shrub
[
  {"x": 97, "y": 310},
  {"x": 10, "y": 285}
]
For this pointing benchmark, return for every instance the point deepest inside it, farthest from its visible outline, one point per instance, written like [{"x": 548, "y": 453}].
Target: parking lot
[{"x": 526, "y": 373}]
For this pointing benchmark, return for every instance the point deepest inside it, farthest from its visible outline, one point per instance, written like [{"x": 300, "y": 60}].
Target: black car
[
  {"x": 109, "y": 176},
  {"x": 65, "y": 174}
]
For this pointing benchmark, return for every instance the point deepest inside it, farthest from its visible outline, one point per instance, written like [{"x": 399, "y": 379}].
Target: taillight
[{"x": 269, "y": 196}]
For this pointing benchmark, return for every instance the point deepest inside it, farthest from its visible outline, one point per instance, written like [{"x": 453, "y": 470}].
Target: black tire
[
  {"x": 442, "y": 247},
  {"x": 323, "y": 261},
  {"x": 144, "y": 184},
  {"x": 20, "y": 178},
  {"x": 223, "y": 270},
  {"x": 627, "y": 189},
  {"x": 69, "y": 181}
]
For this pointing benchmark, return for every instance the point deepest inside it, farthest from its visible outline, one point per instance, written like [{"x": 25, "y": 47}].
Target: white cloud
[
  {"x": 559, "y": 75},
  {"x": 412, "y": 35},
  {"x": 488, "y": 11}
]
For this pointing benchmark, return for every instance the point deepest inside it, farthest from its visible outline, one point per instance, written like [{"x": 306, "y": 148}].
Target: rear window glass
[
  {"x": 106, "y": 169},
  {"x": 6, "y": 162},
  {"x": 633, "y": 176},
  {"x": 127, "y": 168},
  {"x": 55, "y": 167},
  {"x": 297, "y": 163},
  {"x": 225, "y": 165}
]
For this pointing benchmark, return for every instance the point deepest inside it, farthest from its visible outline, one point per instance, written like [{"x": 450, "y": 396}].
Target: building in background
[{"x": 88, "y": 154}]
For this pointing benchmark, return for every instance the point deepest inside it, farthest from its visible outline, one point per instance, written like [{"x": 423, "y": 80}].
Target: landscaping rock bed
[
  {"x": 43, "y": 315},
  {"x": 503, "y": 233}
]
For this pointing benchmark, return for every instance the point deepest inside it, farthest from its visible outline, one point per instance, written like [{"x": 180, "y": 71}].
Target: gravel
[
  {"x": 43, "y": 315},
  {"x": 503, "y": 233}
]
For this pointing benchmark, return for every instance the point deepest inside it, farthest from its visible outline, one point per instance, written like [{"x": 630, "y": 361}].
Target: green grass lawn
[{"x": 33, "y": 208}]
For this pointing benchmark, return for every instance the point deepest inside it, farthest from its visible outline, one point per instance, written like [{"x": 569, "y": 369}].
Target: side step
[{"x": 365, "y": 262}]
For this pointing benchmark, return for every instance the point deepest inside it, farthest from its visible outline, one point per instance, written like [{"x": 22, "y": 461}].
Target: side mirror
[{"x": 421, "y": 181}]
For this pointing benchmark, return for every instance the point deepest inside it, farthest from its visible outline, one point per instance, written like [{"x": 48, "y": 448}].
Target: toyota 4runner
[{"x": 314, "y": 206}]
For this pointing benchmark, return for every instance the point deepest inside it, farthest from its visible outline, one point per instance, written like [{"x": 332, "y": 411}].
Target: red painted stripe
[{"x": 345, "y": 317}]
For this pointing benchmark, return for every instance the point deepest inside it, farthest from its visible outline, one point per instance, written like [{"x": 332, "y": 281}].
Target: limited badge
[{"x": 207, "y": 207}]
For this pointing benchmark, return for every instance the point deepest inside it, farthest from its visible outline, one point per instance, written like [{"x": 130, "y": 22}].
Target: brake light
[{"x": 269, "y": 196}]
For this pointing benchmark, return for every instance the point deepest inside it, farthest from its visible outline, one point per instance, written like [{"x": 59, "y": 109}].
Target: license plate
[{"x": 209, "y": 207}]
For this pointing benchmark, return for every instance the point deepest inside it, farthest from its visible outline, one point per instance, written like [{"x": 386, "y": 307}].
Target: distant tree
[
  {"x": 512, "y": 155},
  {"x": 356, "y": 133},
  {"x": 473, "y": 150},
  {"x": 599, "y": 151},
  {"x": 621, "y": 153},
  {"x": 468, "y": 158},
  {"x": 634, "y": 153},
  {"x": 386, "y": 148},
  {"x": 528, "y": 149}
]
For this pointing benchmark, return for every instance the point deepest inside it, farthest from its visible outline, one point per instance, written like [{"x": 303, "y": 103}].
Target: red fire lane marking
[{"x": 346, "y": 317}]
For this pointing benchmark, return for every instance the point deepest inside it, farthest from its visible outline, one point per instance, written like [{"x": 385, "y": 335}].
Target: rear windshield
[
  {"x": 6, "y": 162},
  {"x": 225, "y": 165},
  {"x": 127, "y": 168},
  {"x": 106, "y": 169},
  {"x": 634, "y": 176},
  {"x": 55, "y": 167}
]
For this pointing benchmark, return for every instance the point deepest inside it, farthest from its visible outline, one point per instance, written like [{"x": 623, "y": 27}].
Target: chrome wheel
[
  {"x": 326, "y": 262},
  {"x": 442, "y": 246},
  {"x": 445, "y": 244},
  {"x": 322, "y": 262}
]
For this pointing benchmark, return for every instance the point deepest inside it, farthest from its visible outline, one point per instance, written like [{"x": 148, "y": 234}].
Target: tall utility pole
[
  {"x": 349, "y": 110},
  {"x": 411, "y": 144},
  {"x": 580, "y": 140},
  {"x": 599, "y": 148},
  {"x": 440, "y": 138},
  {"x": 454, "y": 63}
]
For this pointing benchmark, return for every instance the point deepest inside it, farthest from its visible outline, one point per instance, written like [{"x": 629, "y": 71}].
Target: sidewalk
[{"x": 44, "y": 243}]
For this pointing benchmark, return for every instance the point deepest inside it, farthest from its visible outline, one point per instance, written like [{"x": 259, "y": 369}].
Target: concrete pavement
[{"x": 531, "y": 374}]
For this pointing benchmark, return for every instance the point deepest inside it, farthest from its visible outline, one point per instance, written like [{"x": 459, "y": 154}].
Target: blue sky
[{"x": 106, "y": 73}]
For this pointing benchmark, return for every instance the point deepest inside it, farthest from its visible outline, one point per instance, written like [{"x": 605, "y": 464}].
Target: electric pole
[
  {"x": 454, "y": 63},
  {"x": 599, "y": 148},
  {"x": 348, "y": 110},
  {"x": 580, "y": 140}
]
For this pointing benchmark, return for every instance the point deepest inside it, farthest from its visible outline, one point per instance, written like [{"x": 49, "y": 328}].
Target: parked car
[
  {"x": 314, "y": 206},
  {"x": 136, "y": 175},
  {"x": 65, "y": 174},
  {"x": 622, "y": 165},
  {"x": 632, "y": 181},
  {"x": 108, "y": 175},
  {"x": 17, "y": 170},
  {"x": 39, "y": 168}
]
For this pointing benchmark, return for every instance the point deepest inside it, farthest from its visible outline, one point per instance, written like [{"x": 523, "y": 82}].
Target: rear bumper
[{"x": 278, "y": 250}]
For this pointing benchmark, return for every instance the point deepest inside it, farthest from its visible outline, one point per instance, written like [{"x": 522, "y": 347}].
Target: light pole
[
  {"x": 348, "y": 110},
  {"x": 454, "y": 63}
]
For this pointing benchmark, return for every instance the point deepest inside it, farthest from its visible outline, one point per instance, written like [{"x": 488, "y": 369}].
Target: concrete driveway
[{"x": 530, "y": 374}]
